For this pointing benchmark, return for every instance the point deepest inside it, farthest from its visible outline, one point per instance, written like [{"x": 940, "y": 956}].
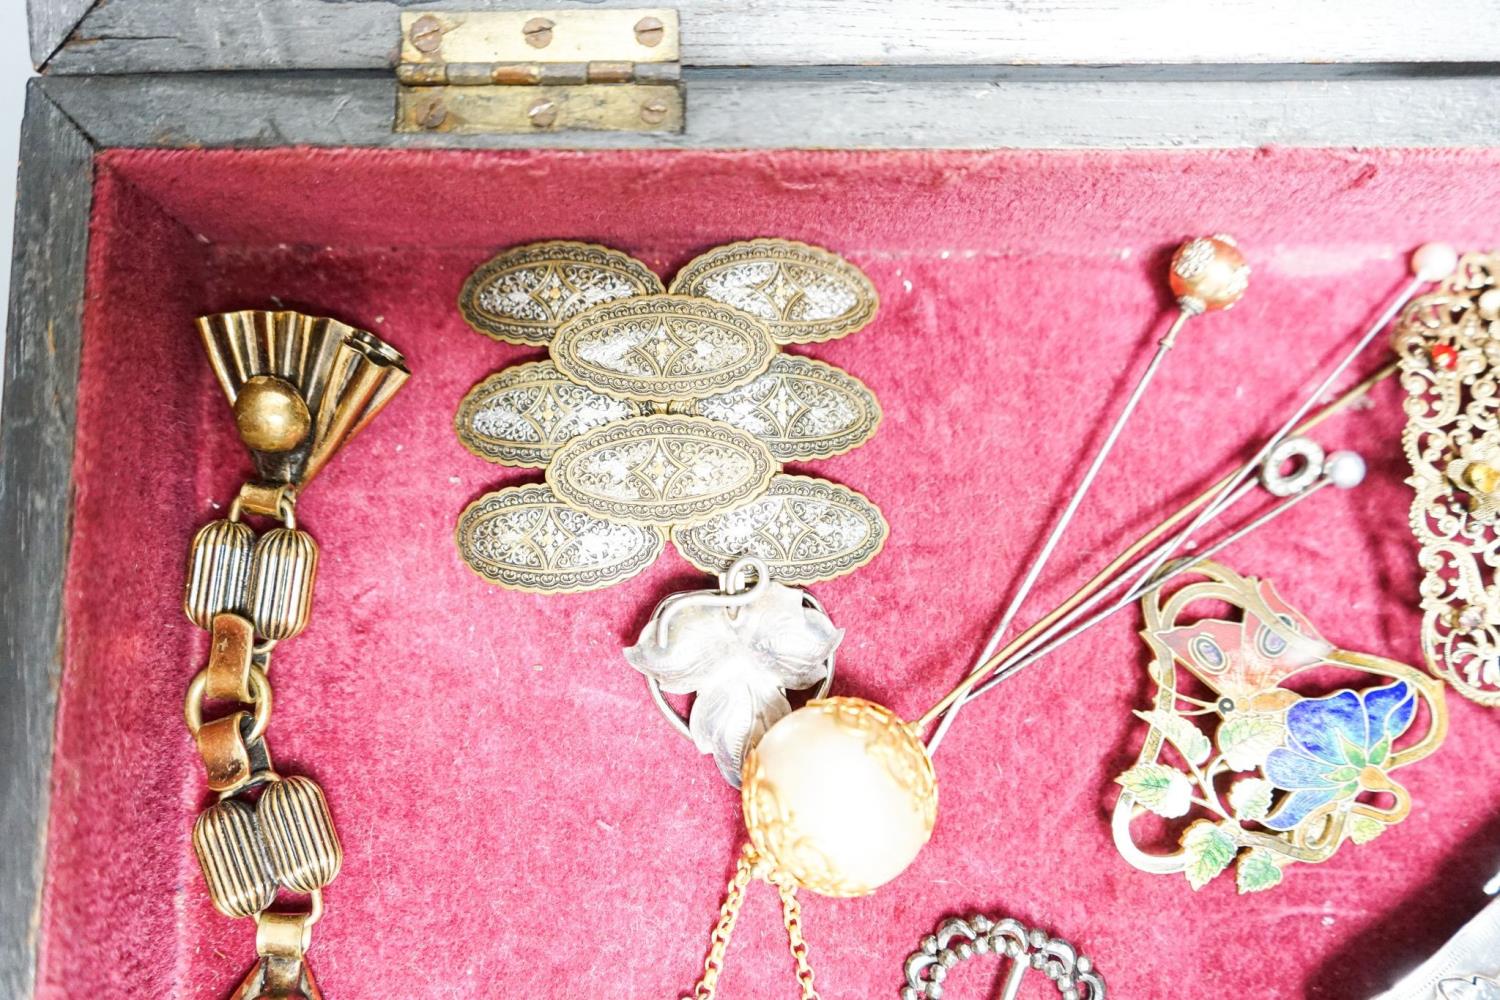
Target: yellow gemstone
[{"x": 1482, "y": 477}]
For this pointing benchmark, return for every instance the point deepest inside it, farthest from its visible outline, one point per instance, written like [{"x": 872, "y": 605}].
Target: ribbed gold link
[
  {"x": 218, "y": 571},
  {"x": 232, "y": 858},
  {"x": 281, "y": 582},
  {"x": 298, "y": 832}
]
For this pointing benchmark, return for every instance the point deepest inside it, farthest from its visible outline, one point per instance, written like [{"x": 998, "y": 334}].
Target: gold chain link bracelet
[{"x": 300, "y": 387}]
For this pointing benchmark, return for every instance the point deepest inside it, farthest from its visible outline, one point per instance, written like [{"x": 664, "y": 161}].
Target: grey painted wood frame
[
  {"x": 36, "y": 493},
  {"x": 50, "y": 23},
  {"x": 846, "y": 108},
  {"x": 124, "y": 36}
]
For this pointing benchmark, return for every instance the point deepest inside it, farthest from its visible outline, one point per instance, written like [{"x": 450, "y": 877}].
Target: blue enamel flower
[{"x": 1337, "y": 747}]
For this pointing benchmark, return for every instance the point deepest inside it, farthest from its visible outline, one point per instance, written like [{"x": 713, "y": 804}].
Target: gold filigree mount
[
  {"x": 1448, "y": 346},
  {"x": 661, "y": 348},
  {"x": 522, "y": 415},
  {"x": 802, "y": 409},
  {"x": 522, "y": 538},
  {"x": 807, "y": 530}
]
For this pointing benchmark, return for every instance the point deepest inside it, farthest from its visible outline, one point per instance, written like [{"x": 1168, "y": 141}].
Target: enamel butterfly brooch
[{"x": 1261, "y": 773}]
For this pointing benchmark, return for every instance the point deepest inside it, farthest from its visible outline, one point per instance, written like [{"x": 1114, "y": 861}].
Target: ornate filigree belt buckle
[{"x": 1448, "y": 343}]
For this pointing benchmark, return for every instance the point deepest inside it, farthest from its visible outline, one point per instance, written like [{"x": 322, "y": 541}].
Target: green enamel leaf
[
  {"x": 1363, "y": 829},
  {"x": 1250, "y": 798},
  {"x": 1245, "y": 738},
  {"x": 1207, "y": 851},
  {"x": 1342, "y": 774},
  {"x": 1257, "y": 871},
  {"x": 1353, "y": 752},
  {"x": 1164, "y": 790},
  {"x": 1380, "y": 751},
  {"x": 1182, "y": 734}
]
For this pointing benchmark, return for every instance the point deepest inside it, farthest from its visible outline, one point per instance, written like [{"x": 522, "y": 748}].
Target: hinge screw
[
  {"x": 538, "y": 32},
  {"x": 542, "y": 114},
  {"x": 649, "y": 31},
  {"x": 426, "y": 33},
  {"x": 432, "y": 114},
  {"x": 654, "y": 111}
]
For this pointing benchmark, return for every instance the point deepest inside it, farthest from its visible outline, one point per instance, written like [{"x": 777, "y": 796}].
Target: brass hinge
[{"x": 540, "y": 71}]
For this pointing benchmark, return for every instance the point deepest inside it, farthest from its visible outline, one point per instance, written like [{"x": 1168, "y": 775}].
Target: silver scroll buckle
[{"x": 1025, "y": 948}]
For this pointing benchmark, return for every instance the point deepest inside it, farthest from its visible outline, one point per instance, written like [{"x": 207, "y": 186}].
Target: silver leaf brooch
[{"x": 739, "y": 649}]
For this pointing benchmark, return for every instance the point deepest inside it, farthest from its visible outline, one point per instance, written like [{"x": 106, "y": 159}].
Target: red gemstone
[{"x": 1444, "y": 356}]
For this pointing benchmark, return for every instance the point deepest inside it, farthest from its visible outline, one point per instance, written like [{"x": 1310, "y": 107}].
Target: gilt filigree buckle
[
  {"x": 524, "y": 294},
  {"x": 806, "y": 530},
  {"x": 522, "y": 538},
  {"x": 1448, "y": 344},
  {"x": 663, "y": 470},
  {"x": 802, "y": 409},
  {"x": 804, "y": 294},
  {"x": 660, "y": 348},
  {"x": 521, "y": 416}
]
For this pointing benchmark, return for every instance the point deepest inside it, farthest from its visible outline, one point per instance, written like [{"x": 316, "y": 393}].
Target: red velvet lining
[{"x": 516, "y": 817}]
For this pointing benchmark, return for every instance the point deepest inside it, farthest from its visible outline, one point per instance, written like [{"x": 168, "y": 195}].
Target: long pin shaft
[
  {"x": 1140, "y": 590},
  {"x": 1060, "y": 619},
  {"x": 1250, "y": 467},
  {"x": 1028, "y": 582},
  {"x": 1106, "y": 576},
  {"x": 1239, "y": 476}
]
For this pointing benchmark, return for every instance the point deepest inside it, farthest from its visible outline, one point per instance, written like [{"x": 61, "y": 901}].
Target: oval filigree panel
[
  {"x": 522, "y": 415},
  {"x": 661, "y": 470},
  {"x": 523, "y": 295},
  {"x": 807, "y": 530},
  {"x": 802, "y": 409},
  {"x": 803, "y": 293},
  {"x": 522, "y": 538},
  {"x": 662, "y": 348}
]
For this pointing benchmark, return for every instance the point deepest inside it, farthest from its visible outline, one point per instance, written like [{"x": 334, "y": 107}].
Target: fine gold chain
[
  {"x": 749, "y": 868},
  {"x": 791, "y": 915},
  {"x": 734, "y": 897}
]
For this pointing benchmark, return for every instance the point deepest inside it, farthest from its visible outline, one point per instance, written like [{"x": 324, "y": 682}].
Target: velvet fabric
[{"x": 517, "y": 819}]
